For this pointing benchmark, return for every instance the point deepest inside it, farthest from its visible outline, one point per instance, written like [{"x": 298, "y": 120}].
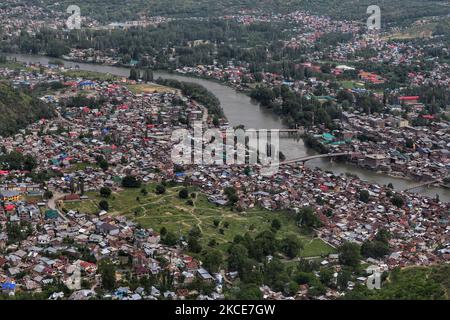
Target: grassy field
[
  {"x": 351, "y": 84},
  {"x": 82, "y": 166},
  {"x": 91, "y": 75},
  {"x": 169, "y": 211},
  {"x": 149, "y": 88},
  {"x": 413, "y": 32}
]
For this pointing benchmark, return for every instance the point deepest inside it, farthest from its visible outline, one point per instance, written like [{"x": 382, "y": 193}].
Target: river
[{"x": 240, "y": 109}]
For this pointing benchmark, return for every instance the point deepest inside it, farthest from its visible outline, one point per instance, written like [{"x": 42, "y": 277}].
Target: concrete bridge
[
  {"x": 424, "y": 184},
  {"x": 318, "y": 156},
  {"x": 300, "y": 130}
]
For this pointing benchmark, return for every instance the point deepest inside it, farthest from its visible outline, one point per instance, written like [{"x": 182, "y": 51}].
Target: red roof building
[{"x": 409, "y": 98}]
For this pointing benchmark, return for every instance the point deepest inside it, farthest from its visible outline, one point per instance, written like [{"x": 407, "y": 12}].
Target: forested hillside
[
  {"x": 18, "y": 109},
  {"x": 113, "y": 10},
  {"x": 412, "y": 283}
]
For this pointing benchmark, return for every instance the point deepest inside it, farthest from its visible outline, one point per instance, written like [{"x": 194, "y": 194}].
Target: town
[{"x": 92, "y": 205}]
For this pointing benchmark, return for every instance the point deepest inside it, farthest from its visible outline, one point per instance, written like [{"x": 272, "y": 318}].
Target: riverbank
[{"x": 239, "y": 109}]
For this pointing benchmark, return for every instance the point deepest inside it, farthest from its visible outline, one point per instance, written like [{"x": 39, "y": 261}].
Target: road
[{"x": 52, "y": 203}]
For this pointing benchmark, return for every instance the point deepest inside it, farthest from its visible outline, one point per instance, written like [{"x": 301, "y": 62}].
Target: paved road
[{"x": 52, "y": 203}]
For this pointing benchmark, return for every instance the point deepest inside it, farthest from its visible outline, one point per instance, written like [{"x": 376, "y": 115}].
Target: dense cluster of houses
[
  {"x": 419, "y": 228},
  {"x": 388, "y": 143},
  {"x": 129, "y": 130},
  {"x": 17, "y": 17},
  {"x": 56, "y": 252}
]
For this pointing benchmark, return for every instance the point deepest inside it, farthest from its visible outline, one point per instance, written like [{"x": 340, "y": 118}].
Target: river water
[{"x": 240, "y": 109}]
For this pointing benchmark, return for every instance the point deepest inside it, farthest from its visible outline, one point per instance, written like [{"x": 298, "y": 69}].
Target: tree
[
  {"x": 184, "y": 193},
  {"x": 383, "y": 235},
  {"x": 48, "y": 194},
  {"x": 308, "y": 218},
  {"x": 374, "y": 249},
  {"x": 291, "y": 246},
  {"x": 228, "y": 191},
  {"x": 194, "y": 245},
  {"x": 364, "y": 196},
  {"x": 131, "y": 182},
  {"x": 231, "y": 194},
  {"x": 103, "y": 164},
  {"x": 233, "y": 199},
  {"x": 212, "y": 243},
  {"x": 276, "y": 225},
  {"x": 170, "y": 239},
  {"x": 105, "y": 192},
  {"x": 349, "y": 254},
  {"x": 275, "y": 275},
  {"x": 264, "y": 243},
  {"x": 307, "y": 266},
  {"x": 377, "y": 248},
  {"x": 163, "y": 231},
  {"x": 29, "y": 163},
  {"x": 148, "y": 75},
  {"x": 326, "y": 276},
  {"x": 160, "y": 189},
  {"x": 104, "y": 205},
  {"x": 249, "y": 292},
  {"x": 134, "y": 74},
  {"x": 108, "y": 275},
  {"x": 213, "y": 259},
  {"x": 195, "y": 232},
  {"x": 398, "y": 201},
  {"x": 237, "y": 254},
  {"x": 343, "y": 278},
  {"x": 81, "y": 186}
]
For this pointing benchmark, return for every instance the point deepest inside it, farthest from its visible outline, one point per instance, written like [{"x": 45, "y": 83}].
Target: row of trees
[
  {"x": 146, "y": 75},
  {"x": 197, "y": 93}
]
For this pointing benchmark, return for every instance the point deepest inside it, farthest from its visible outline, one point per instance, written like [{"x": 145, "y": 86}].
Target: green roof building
[{"x": 51, "y": 214}]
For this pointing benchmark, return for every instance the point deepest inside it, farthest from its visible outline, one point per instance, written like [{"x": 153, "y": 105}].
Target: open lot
[
  {"x": 149, "y": 88},
  {"x": 176, "y": 215}
]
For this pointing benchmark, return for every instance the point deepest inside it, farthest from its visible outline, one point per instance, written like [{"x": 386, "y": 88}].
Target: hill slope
[
  {"x": 117, "y": 10},
  {"x": 18, "y": 109}
]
